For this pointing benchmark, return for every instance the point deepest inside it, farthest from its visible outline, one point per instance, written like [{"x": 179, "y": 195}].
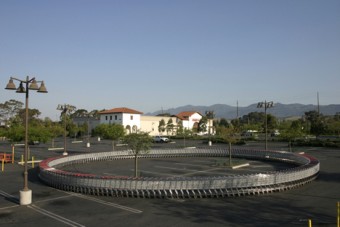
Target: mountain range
[{"x": 279, "y": 110}]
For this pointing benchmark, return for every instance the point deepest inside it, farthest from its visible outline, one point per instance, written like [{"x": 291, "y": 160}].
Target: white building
[
  {"x": 190, "y": 119},
  {"x": 133, "y": 121},
  {"x": 129, "y": 118},
  {"x": 150, "y": 124}
]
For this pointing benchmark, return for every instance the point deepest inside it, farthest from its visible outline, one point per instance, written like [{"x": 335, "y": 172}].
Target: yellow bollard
[
  {"x": 22, "y": 158},
  {"x": 3, "y": 165},
  {"x": 309, "y": 223},
  {"x": 12, "y": 153},
  {"x": 338, "y": 221},
  {"x": 32, "y": 161}
]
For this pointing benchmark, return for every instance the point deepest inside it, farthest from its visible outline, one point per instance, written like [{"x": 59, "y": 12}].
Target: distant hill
[{"x": 279, "y": 110}]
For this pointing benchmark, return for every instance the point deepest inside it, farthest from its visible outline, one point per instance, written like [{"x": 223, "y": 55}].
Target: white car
[{"x": 160, "y": 139}]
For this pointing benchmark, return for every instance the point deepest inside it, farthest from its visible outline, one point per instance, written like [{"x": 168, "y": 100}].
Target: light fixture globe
[
  {"x": 34, "y": 85},
  {"x": 21, "y": 88},
  {"x": 42, "y": 88},
  {"x": 11, "y": 85}
]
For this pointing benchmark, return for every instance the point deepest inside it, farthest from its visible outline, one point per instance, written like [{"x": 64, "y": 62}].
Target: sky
[{"x": 159, "y": 54}]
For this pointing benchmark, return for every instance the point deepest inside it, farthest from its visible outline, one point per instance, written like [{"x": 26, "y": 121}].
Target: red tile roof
[
  {"x": 186, "y": 114},
  {"x": 120, "y": 110}
]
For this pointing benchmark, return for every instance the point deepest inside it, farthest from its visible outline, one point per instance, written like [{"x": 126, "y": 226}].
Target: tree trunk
[{"x": 136, "y": 165}]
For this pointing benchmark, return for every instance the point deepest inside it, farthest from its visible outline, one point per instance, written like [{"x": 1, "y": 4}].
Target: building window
[
  {"x": 131, "y": 117},
  {"x": 106, "y": 118},
  {"x": 110, "y": 118},
  {"x": 116, "y": 117}
]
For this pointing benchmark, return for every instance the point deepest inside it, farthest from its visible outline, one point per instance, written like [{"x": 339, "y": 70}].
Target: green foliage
[
  {"x": 291, "y": 130},
  {"x": 184, "y": 133},
  {"x": 202, "y": 124},
  {"x": 316, "y": 143},
  {"x": 170, "y": 126},
  {"x": 317, "y": 123},
  {"x": 39, "y": 133},
  {"x": 16, "y": 133},
  {"x": 138, "y": 142},
  {"x": 109, "y": 131},
  {"x": 10, "y": 109},
  {"x": 222, "y": 122},
  {"x": 179, "y": 127},
  {"x": 256, "y": 121},
  {"x": 228, "y": 134},
  {"x": 253, "y": 118},
  {"x": 79, "y": 113},
  {"x": 161, "y": 126}
]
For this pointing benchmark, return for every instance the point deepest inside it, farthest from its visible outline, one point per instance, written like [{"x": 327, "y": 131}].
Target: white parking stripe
[
  {"x": 45, "y": 200},
  {"x": 9, "y": 197},
  {"x": 55, "y": 216},
  {"x": 106, "y": 203}
]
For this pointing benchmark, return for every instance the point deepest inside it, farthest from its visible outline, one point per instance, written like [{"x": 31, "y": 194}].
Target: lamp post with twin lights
[
  {"x": 24, "y": 87},
  {"x": 265, "y": 105}
]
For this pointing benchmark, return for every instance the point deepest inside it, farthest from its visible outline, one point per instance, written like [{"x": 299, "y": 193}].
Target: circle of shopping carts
[{"x": 305, "y": 170}]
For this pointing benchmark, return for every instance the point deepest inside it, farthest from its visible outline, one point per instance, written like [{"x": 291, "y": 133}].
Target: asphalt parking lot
[{"x": 316, "y": 201}]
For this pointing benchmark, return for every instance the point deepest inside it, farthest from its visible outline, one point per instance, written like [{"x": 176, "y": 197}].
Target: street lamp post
[
  {"x": 30, "y": 84},
  {"x": 265, "y": 105},
  {"x": 64, "y": 109}
]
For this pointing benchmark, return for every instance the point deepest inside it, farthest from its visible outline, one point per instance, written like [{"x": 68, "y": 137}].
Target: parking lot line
[
  {"x": 106, "y": 203},
  {"x": 55, "y": 216},
  {"x": 9, "y": 197},
  {"x": 46, "y": 200}
]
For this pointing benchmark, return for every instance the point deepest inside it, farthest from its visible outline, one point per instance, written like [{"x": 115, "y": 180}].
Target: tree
[
  {"x": 138, "y": 143},
  {"x": 170, "y": 126},
  {"x": 333, "y": 125},
  {"x": 179, "y": 127},
  {"x": 202, "y": 124},
  {"x": 253, "y": 118},
  {"x": 79, "y": 113},
  {"x": 317, "y": 122},
  {"x": 9, "y": 109},
  {"x": 223, "y": 122},
  {"x": 55, "y": 129},
  {"x": 39, "y": 133},
  {"x": 36, "y": 132},
  {"x": 271, "y": 122},
  {"x": 16, "y": 133},
  {"x": 229, "y": 135},
  {"x": 161, "y": 126},
  {"x": 290, "y": 131},
  {"x": 110, "y": 131}
]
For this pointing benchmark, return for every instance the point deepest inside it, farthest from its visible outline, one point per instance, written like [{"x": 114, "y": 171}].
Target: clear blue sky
[{"x": 149, "y": 55}]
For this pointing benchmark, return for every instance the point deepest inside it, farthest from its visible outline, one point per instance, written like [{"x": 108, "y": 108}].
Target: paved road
[{"x": 52, "y": 207}]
